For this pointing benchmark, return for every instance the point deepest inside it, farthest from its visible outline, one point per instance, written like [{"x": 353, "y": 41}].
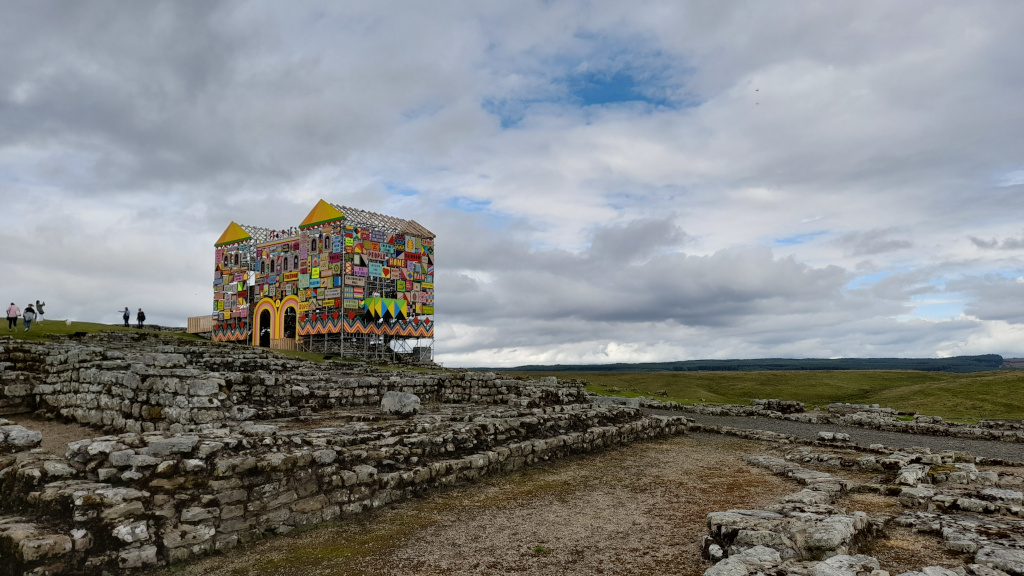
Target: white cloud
[{"x": 776, "y": 153}]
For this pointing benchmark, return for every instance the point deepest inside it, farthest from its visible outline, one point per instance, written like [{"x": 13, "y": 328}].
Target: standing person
[
  {"x": 29, "y": 315},
  {"x": 12, "y": 317},
  {"x": 141, "y": 317},
  {"x": 39, "y": 310},
  {"x": 127, "y": 316}
]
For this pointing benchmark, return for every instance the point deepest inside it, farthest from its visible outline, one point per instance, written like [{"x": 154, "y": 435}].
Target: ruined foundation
[{"x": 213, "y": 445}]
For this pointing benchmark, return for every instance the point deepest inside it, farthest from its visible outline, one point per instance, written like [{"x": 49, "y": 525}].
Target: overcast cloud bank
[{"x": 607, "y": 183}]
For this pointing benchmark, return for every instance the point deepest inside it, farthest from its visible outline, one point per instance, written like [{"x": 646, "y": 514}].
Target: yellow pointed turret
[
  {"x": 322, "y": 213},
  {"x": 233, "y": 233}
]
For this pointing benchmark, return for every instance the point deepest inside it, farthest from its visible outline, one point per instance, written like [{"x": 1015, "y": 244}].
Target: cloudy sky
[{"x": 608, "y": 181}]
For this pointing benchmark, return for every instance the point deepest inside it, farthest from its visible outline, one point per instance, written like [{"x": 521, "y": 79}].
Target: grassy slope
[
  {"x": 968, "y": 396},
  {"x": 41, "y": 332}
]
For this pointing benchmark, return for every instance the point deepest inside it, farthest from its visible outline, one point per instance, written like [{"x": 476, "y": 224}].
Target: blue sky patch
[
  {"x": 866, "y": 280},
  {"x": 599, "y": 88},
  {"x": 1014, "y": 178},
  {"x": 400, "y": 189},
  {"x": 798, "y": 238},
  {"x": 609, "y": 70},
  {"x": 463, "y": 204}
]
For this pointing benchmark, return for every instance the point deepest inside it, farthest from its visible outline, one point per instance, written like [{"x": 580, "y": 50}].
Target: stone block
[
  {"x": 48, "y": 546},
  {"x": 281, "y": 499},
  {"x": 137, "y": 557},
  {"x": 325, "y": 457},
  {"x": 192, "y": 465},
  {"x": 130, "y": 532},
  {"x": 142, "y": 460},
  {"x": 167, "y": 446},
  {"x": 206, "y": 387},
  {"x": 197, "y": 514},
  {"x": 187, "y": 535},
  {"x": 400, "y": 403},
  {"x": 20, "y": 437}
]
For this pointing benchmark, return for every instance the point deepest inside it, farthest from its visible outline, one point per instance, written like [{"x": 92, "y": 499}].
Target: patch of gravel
[
  {"x": 865, "y": 436},
  {"x": 634, "y": 510}
]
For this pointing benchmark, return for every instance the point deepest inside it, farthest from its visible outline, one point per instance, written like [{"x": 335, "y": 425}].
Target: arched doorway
[
  {"x": 264, "y": 325},
  {"x": 289, "y": 322}
]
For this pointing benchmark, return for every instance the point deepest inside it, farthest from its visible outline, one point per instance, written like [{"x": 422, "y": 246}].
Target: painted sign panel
[{"x": 375, "y": 269}]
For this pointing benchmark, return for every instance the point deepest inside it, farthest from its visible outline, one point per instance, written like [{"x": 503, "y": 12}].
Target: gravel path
[
  {"x": 628, "y": 511},
  {"x": 864, "y": 436}
]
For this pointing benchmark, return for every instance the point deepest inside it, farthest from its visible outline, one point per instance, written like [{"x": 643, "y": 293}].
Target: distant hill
[{"x": 957, "y": 364}]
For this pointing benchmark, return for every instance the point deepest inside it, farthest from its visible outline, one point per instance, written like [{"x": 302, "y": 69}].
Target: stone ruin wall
[
  {"x": 123, "y": 382},
  {"x": 193, "y": 466}
]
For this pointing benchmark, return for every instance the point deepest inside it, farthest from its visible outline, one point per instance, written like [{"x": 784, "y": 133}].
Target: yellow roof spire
[
  {"x": 233, "y": 233},
  {"x": 322, "y": 213}
]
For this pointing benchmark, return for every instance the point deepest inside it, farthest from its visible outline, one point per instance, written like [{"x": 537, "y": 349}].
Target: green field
[{"x": 997, "y": 394}]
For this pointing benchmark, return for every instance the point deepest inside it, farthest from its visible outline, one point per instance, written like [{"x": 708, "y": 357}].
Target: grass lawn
[
  {"x": 41, "y": 332},
  {"x": 998, "y": 394}
]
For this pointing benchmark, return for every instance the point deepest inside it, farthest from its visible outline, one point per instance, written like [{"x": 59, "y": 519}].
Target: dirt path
[
  {"x": 56, "y": 435},
  {"x": 635, "y": 510}
]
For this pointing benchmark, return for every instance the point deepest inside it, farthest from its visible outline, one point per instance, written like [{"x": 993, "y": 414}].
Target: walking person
[
  {"x": 141, "y": 317},
  {"x": 12, "y": 317},
  {"x": 29, "y": 315},
  {"x": 127, "y": 316},
  {"x": 39, "y": 310}
]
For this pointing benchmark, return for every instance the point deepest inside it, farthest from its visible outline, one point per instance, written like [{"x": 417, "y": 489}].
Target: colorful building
[{"x": 344, "y": 281}]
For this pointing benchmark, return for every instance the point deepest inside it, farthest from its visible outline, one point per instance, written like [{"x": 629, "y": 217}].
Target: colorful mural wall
[
  {"x": 232, "y": 264},
  {"x": 331, "y": 274}
]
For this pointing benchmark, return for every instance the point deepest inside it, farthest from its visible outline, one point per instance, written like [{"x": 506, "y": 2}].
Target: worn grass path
[{"x": 629, "y": 511}]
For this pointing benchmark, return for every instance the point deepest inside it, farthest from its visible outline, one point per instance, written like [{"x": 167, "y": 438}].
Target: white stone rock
[
  {"x": 21, "y": 437},
  {"x": 845, "y": 565},
  {"x": 1005, "y": 559},
  {"x": 132, "y": 532},
  {"x": 752, "y": 561},
  {"x": 400, "y": 403}
]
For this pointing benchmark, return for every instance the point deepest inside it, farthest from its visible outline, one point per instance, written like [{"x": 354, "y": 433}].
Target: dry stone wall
[
  {"x": 144, "y": 383},
  {"x": 860, "y": 415},
  {"x": 976, "y": 514},
  {"x": 216, "y": 445}
]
